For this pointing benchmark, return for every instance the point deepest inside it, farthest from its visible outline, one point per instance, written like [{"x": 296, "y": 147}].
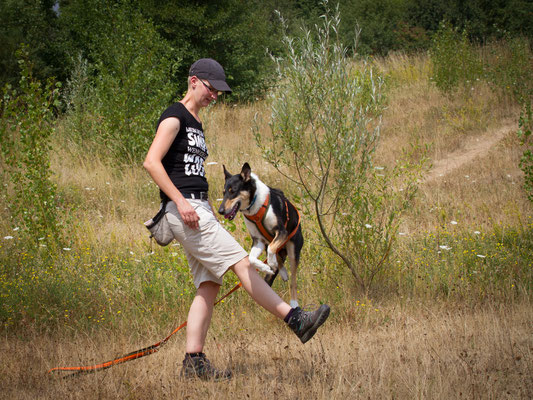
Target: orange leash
[{"x": 133, "y": 355}]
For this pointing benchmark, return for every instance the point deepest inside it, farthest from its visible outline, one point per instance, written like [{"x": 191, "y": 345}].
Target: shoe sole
[
  {"x": 322, "y": 317},
  {"x": 208, "y": 378}
]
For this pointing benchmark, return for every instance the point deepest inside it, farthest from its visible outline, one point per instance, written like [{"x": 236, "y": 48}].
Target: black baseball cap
[{"x": 207, "y": 68}]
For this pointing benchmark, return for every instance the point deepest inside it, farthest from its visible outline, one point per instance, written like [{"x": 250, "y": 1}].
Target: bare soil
[{"x": 474, "y": 148}]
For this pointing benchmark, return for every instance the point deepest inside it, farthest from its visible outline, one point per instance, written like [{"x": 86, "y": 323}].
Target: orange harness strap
[{"x": 258, "y": 218}]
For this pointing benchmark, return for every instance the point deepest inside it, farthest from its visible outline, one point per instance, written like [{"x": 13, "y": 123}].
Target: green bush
[
  {"x": 325, "y": 126},
  {"x": 26, "y": 124},
  {"x": 115, "y": 102},
  {"x": 455, "y": 61}
]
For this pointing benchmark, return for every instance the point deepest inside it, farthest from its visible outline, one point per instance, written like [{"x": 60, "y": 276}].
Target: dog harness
[{"x": 258, "y": 218}]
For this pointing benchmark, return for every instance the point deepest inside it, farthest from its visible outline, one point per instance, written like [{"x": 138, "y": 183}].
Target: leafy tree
[
  {"x": 130, "y": 86},
  {"x": 26, "y": 124},
  {"x": 379, "y": 21},
  {"x": 324, "y": 129},
  {"x": 33, "y": 23},
  {"x": 234, "y": 32}
]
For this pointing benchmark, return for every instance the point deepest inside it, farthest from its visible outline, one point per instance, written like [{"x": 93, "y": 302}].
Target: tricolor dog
[{"x": 272, "y": 221}]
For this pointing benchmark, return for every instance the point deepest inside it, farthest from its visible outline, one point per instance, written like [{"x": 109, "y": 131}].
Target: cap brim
[{"x": 221, "y": 86}]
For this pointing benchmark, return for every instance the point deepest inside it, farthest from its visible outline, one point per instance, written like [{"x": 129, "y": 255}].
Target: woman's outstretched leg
[{"x": 259, "y": 290}]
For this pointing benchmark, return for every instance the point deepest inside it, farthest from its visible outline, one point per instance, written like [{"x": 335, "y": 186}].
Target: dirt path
[{"x": 475, "y": 147}]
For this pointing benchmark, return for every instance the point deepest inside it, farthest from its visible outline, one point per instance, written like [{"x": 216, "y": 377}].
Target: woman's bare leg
[{"x": 259, "y": 290}]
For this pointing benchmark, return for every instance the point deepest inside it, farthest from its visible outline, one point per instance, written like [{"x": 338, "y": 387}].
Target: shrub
[
  {"x": 455, "y": 61},
  {"x": 25, "y": 129},
  {"x": 117, "y": 106},
  {"x": 325, "y": 125}
]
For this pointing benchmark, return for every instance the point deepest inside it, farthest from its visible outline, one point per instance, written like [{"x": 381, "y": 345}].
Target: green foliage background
[{"x": 235, "y": 32}]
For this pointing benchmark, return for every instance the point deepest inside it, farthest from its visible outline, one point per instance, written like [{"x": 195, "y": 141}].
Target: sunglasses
[{"x": 211, "y": 89}]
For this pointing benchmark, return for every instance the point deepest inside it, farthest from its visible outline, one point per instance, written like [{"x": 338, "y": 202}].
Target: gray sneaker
[
  {"x": 200, "y": 367},
  {"x": 305, "y": 323}
]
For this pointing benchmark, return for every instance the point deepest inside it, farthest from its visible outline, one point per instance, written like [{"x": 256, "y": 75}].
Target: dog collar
[{"x": 251, "y": 204}]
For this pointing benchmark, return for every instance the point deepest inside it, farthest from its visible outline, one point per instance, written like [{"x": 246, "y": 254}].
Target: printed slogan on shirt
[{"x": 196, "y": 153}]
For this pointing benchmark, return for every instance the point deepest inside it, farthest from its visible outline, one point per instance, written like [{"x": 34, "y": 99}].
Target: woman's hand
[{"x": 188, "y": 214}]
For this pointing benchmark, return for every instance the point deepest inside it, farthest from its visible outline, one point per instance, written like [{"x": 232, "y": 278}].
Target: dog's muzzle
[{"x": 230, "y": 215}]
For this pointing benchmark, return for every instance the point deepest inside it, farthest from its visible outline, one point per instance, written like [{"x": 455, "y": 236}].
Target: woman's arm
[{"x": 164, "y": 137}]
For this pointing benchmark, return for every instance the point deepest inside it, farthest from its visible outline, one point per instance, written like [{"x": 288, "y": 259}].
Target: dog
[{"x": 272, "y": 221}]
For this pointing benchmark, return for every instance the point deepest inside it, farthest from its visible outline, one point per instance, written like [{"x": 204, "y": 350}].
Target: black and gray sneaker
[
  {"x": 305, "y": 323},
  {"x": 198, "y": 366}
]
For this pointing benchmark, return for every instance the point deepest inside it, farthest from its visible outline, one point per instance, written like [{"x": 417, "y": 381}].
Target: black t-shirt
[{"x": 184, "y": 161}]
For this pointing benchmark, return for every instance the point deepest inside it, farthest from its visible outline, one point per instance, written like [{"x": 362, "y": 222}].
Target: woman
[{"x": 175, "y": 161}]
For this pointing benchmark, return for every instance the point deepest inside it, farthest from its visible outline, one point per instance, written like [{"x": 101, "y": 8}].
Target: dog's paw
[
  {"x": 261, "y": 266},
  {"x": 284, "y": 274},
  {"x": 272, "y": 260}
]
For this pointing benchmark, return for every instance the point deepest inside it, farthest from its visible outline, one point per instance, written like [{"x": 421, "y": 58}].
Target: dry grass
[
  {"x": 403, "y": 351},
  {"x": 399, "y": 349}
]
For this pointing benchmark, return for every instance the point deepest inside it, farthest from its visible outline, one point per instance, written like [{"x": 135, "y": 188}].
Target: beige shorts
[{"x": 210, "y": 250}]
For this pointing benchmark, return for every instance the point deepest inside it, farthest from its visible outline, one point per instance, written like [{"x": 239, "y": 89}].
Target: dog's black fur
[{"x": 246, "y": 193}]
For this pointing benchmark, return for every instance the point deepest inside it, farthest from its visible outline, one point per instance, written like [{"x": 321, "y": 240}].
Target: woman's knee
[
  {"x": 241, "y": 266},
  {"x": 208, "y": 288}
]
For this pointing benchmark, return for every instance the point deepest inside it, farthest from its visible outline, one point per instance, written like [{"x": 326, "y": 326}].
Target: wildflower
[
  {"x": 67, "y": 248},
  {"x": 8, "y": 237},
  {"x": 481, "y": 256},
  {"x": 16, "y": 228},
  {"x": 444, "y": 247},
  {"x": 453, "y": 222},
  {"x": 477, "y": 232},
  {"x": 368, "y": 226}
]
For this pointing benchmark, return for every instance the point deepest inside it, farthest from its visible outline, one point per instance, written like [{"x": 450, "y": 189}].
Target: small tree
[
  {"x": 116, "y": 100},
  {"x": 325, "y": 127},
  {"x": 26, "y": 124}
]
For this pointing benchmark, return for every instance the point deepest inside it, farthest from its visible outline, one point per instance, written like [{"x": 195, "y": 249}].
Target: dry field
[
  {"x": 394, "y": 346},
  {"x": 408, "y": 351}
]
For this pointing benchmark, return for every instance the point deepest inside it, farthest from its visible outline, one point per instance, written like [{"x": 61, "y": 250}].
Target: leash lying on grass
[{"x": 133, "y": 355}]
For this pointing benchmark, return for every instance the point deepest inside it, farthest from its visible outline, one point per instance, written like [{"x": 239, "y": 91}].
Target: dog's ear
[
  {"x": 245, "y": 172},
  {"x": 227, "y": 175}
]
